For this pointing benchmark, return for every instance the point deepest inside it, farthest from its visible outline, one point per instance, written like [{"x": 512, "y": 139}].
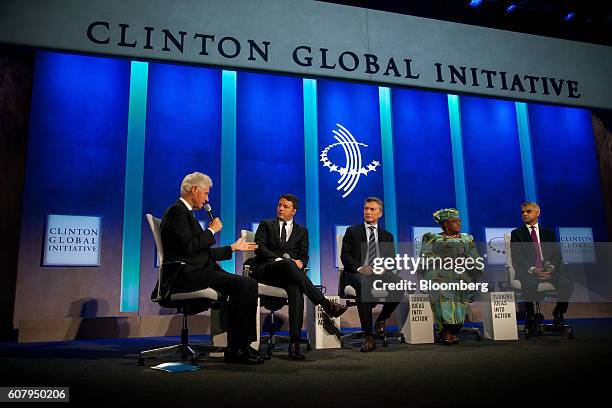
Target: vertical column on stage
[
  {"x": 228, "y": 163},
  {"x": 522, "y": 122},
  {"x": 227, "y": 211},
  {"x": 388, "y": 164},
  {"x": 388, "y": 169},
  {"x": 454, "y": 113},
  {"x": 311, "y": 161},
  {"x": 134, "y": 170}
]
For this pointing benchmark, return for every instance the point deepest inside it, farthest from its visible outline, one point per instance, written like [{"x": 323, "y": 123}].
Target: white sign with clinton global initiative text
[{"x": 72, "y": 240}]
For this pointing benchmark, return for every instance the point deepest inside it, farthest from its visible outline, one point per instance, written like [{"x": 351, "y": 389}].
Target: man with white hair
[{"x": 185, "y": 240}]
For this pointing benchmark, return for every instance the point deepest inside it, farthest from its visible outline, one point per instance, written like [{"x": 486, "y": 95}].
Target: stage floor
[{"x": 539, "y": 371}]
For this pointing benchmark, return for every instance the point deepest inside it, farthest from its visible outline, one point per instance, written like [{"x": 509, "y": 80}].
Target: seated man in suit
[
  {"x": 536, "y": 258},
  {"x": 281, "y": 256},
  {"x": 184, "y": 240},
  {"x": 360, "y": 245}
]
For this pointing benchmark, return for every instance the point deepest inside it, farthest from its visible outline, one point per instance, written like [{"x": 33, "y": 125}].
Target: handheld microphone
[
  {"x": 286, "y": 256},
  {"x": 208, "y": 209}
]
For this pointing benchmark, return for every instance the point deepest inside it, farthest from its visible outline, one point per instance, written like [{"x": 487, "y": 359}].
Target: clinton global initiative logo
[
  {"x": 497, "y": 245},
  {"x": 353, "y": 168}
]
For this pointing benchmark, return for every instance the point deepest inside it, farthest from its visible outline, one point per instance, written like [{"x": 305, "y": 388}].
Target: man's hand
[
  {"x": 298, "y": 263},
  {"x": 215, "y": 225},
  {"x": 365, "y": 270},
  {"x": 543, "y": 274},
  {"x": 242, "y": 245}
]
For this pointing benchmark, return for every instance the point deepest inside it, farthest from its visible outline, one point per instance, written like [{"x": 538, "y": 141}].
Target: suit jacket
[
  {"x": 355, "y": 238},
  {"x": 184, "y": 240},
  {"x": 269, "y": 246},
  {"x": 524, "y": 255}
]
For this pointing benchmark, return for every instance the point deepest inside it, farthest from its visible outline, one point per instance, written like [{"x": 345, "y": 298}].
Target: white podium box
[
  {"x": 323, "y": 331},
  {"x": 418, "y": 328},
  {"x": 500, "y": 316}
]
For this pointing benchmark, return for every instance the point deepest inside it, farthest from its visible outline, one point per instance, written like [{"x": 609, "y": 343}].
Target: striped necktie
[{"x": 371, "y": 246}]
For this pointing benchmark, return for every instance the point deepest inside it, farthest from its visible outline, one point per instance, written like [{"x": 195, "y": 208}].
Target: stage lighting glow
[
  {"x": 475, "y": 3},
  {"x": 511, "y": 8},
  {"x": 569, "y": 16}
]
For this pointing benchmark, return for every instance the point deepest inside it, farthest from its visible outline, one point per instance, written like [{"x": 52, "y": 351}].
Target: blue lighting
[
  {"x": 228, "y": 165},
  {"x": 511, "y": 8},
  {"x": 569, "y": 16},
  {"x": 134, "y": 176},
  {"x": 475, "y": 3}
]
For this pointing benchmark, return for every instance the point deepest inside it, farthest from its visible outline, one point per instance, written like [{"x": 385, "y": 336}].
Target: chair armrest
[{"x": 340, "y": 285}]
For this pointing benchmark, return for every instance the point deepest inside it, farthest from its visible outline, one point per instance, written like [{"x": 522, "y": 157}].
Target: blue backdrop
[
  {"x": 77, "y": 155},
  {"x": 423, "y": 158},
  {"x": 269, "y": 147},
  {"x": 492, "y": 161}
]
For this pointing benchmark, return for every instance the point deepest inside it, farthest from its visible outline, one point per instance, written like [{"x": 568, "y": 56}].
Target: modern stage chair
[
  {"x": 272, "y": 298},
  {"x": 547, "y": 289},
  {"x": 189, "y": 303},
  {"x": 349, "y": 294}
]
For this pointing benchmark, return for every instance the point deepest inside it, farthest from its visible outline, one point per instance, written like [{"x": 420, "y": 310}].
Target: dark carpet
[{"x": 543, "y": 371}]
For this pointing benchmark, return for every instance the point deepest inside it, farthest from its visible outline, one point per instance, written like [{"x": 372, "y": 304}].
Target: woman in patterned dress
[{"x": 449, "y": 247}]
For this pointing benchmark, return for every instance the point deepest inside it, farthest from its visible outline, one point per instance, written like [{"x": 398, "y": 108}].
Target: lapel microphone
[{"x": 208, "y": 210}]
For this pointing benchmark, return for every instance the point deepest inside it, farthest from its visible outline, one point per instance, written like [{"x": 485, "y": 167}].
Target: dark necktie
[
  {"x": 536, "y": 243},
  {"x": 371, "y": 246},
  {"x": 284, "y": 233}
]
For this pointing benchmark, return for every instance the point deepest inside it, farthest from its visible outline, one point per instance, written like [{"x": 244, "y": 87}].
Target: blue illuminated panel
[
  {"x": 76, "y": 161},
  {"x": 423, "y": 158},
  {"x": 356, "y": 109},
  {"x": 492, "y": 161},
  {"x": 565, "y": 162},
  {"x": 183, "y": 136},
  {"x": 269, "y": 147}
]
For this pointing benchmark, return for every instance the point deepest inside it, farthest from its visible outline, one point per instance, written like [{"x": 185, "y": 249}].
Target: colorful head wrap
[{"x": 444, "y": 214}]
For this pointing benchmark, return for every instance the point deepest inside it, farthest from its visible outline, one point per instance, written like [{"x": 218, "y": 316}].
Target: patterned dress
[{"x": 449, "y": 306}]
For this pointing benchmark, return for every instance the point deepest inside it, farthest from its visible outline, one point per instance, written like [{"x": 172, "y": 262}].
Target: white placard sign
[
  {"x": 72, "y": 240},
  {"x": 418, "y": 328},
  {"x": 496, "y": 248},
  {"x": 323, "y": 331},
  {"x": 577, "y": 245},
  {"x": 500, "y": 316}
]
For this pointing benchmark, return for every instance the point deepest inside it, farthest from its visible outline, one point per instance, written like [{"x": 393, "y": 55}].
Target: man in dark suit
[
  {"x": 536, "y": 258},
  {"x": 184, "y": 240},
  {"x": 362, "y": 243},
  {"x": 281, "y": 256}
]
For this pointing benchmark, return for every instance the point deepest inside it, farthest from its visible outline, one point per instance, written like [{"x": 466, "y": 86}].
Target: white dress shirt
[
  {"x": 289, "y": 228},
  {"x": 190, "y": 208}
]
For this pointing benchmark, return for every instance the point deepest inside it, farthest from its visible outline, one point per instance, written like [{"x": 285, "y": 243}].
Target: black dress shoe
[
  {"x": 368, "y": 345},
  {"x": 295, "y": 353},
  {"x": 380, "y": 328},
  {"x": 242, "y": 356},
  {"x": 333, "y": 309},
  {"x": 530, "y": 323},
  {"x": 558, "y": 320},
  {"x": 255, "y": 353}
]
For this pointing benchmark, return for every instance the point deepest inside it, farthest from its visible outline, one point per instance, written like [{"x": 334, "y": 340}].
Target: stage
[{"x": 539, "y": 371}]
